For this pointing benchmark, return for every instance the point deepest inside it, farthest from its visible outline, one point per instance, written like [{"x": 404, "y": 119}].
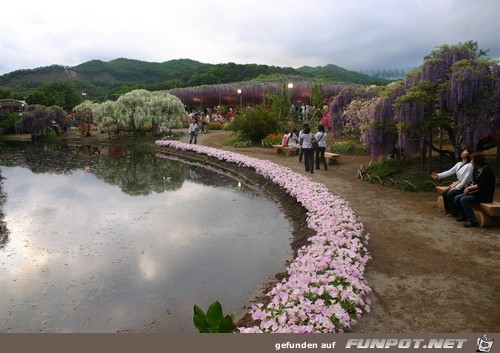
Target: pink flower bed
[{"x": 325, "y": 290}]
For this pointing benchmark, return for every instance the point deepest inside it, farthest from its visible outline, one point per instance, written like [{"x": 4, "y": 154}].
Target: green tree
[
  {"x": 61, "y": 94},
  {"x": 7, "y": 92},
  {"x": 280, "y": 103},
  {"x": 317, "y": 95},
  {"x": 7, "y": 124},
  {"x": 37, "y": 97},
  {"x": 256, "y": 123}
]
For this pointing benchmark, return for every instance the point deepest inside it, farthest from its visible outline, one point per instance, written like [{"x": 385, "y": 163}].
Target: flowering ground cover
[{"x": 325, "y": 289}]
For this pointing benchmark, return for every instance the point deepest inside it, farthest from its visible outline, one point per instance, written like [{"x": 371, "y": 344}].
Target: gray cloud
[{"x": 354, "y": 34}]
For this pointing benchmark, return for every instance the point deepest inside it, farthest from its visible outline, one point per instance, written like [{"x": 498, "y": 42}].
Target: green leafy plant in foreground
[{"x": 214, "y": 320}]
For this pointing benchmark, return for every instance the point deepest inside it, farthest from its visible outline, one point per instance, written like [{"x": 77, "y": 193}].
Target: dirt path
[{"x": 428, "y": 273}]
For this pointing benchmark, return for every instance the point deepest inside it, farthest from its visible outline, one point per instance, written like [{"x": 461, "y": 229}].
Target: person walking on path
[
  {"x": 301, "y": 152},
  {"x": 207, "y": 123},
  {"x": 193, "y": 131},
  {"x": 320, "y": 150},
  {"x": 306, "y": 142}
]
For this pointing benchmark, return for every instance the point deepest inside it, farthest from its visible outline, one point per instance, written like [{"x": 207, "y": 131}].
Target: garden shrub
[
  {"x": 255, "y": 124},
  {"x": 7, "y": 124}
]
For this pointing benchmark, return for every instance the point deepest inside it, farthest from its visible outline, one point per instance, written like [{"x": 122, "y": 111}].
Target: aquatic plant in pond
[
  {"x": 325, "y": 290},
  {"x": 214, "y": 320}
]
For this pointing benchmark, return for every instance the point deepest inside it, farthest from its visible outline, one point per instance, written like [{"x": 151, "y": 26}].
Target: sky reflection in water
[{"x": 84, "y": 256}]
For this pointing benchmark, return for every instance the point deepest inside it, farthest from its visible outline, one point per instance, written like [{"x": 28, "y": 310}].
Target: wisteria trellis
[{"x": 325, "y": 290}]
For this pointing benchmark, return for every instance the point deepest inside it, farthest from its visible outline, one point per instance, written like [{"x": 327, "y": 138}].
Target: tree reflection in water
[
  {"x": 111, "y": 238},
  {"x": 4, "y": 232}
]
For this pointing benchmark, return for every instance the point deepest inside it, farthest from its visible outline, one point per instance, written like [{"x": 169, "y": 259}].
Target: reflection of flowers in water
[
  {"x": 4, "y": 234},
  {"x": 4, "y": 231},
  {"x": 325, "y": 290}
]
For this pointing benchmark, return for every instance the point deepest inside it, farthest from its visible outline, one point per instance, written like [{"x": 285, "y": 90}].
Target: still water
[{"x": 110, "y": 239}]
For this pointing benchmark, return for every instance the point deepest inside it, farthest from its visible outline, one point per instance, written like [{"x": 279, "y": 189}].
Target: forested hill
[
  {"x": 340, "y": 74},
  {"x": 101, "y": 79}
]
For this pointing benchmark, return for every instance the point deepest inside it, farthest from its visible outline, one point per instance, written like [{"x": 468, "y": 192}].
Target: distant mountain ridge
[{"x": 99, "y": 79}]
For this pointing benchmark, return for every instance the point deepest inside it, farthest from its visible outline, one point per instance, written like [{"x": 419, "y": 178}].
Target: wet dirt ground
[{"x": 427, "y": 273}]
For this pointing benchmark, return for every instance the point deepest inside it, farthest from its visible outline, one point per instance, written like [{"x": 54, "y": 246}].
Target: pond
[{"x": 112, "y": 239}]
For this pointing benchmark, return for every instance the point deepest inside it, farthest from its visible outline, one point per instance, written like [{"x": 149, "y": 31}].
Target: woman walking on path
[
  {"x": 301, "y": 152},
  {"x": 320, "y": 150},
  {"x": 306, "y": 142}
]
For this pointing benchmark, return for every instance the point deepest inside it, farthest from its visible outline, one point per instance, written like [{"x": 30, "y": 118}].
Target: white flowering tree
[
  {"x": 141, "y": 110},
  {"x": 359, "y": 115},
  {"x": 165, "y": 111},
  {"x": 130, "y": 108},
  {"x": 106, "y": 118},
  {"x": 137, "y": 111},
  {"x": 87, "y": 105}
]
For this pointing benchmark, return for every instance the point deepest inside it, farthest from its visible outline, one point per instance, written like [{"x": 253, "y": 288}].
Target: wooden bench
[
  {"x": 287, "y": 150},
  {"x": 331, "y": 158},
  {"x": 486, "y": 213}
]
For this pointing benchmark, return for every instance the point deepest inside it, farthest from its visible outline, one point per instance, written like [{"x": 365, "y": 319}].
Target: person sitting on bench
[
  {"x": 463, "y": 170},
  {"x": 482, "y": 190},
  {"x": 293, "y": 139}
]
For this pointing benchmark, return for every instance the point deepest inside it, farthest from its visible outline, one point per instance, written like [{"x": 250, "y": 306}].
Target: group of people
[
  {"x": 475, "y": 184},
  {"x": 475, "y": 179},
  {"x": 311, "y": 146}
]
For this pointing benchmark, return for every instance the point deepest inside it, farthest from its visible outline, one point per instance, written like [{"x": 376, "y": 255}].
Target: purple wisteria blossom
[{"x": 325, "y": 290}]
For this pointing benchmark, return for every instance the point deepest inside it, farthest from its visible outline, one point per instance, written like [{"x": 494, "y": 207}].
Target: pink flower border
[{"x": 326, "y": 289}]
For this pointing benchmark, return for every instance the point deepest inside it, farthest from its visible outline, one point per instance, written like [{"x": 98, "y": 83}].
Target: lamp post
[
  {"x": 291, "y": 112},
  {"x": 241, "y": 98}
]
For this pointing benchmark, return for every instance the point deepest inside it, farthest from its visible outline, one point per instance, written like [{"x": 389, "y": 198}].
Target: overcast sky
[{"x": 354, "y": 34}]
